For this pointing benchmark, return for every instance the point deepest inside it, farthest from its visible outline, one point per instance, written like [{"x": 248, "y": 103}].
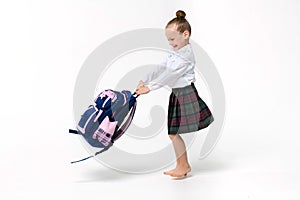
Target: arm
[
  {"x": 180, "y": 67},
  {"x": 156, "y": 71},
  {"x": 150, "y": 76}
]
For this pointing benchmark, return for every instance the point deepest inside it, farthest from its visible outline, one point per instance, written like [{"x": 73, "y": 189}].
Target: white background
[{"x": 254, "y": 45}]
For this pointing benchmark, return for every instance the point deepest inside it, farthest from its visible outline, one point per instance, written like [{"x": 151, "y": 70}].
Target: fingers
[
  {"x": 139, "y": 89},
  {"x": 141, "y": 83},
  {"x": 142, "y": 90}
]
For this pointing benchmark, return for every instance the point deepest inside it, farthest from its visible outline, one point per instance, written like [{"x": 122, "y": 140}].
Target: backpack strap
[
  {"x": 125, "y": 126},
  {"x": 101, "y": 151},
  {"x": 73, "y": 131},
  {"x": 81, "y": 159}
]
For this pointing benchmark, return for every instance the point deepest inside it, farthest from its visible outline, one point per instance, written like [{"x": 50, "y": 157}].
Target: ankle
[{"x": 183, "y": 165}]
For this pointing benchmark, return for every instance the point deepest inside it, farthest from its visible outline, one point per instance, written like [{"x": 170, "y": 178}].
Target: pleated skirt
[{"x": 187, "y": 112}]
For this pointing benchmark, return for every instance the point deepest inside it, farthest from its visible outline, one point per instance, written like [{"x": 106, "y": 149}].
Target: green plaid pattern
[{"x": 187, "y": 111}]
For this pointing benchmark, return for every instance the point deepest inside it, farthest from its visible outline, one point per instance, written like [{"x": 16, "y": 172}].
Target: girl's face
[{"x": 176, "y": 39}]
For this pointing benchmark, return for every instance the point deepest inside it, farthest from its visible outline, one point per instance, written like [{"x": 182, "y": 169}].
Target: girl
[{"x": 187, "y": 112}]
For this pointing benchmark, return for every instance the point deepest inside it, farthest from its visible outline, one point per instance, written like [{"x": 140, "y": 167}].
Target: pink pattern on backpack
[
  {"x": 110, "y": 94},
  {"x": 105, "y": 131},
  {"x": 98, "y": 115}
]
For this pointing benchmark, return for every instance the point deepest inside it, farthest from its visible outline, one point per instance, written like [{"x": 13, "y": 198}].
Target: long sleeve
[
  {"x": 155, "y": 72},
  {"x": 179, "y": 67},
  {"x": 176, "y": 70}
]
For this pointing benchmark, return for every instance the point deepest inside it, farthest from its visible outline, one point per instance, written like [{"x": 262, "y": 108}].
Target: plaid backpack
[{"x": 102, "y": 123}]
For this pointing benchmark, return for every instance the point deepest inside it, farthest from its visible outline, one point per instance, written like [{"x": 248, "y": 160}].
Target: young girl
[{"x": 187, "y": 111}]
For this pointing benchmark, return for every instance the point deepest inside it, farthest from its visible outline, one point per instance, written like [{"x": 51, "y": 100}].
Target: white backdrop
[{"x": 254, "y": 45}]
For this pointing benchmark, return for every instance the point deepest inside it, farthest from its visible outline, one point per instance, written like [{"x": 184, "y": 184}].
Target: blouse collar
[{"x": 184, "y": 50}]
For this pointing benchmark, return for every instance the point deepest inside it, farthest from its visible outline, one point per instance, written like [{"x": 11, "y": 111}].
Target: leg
[{"x": 182, "y": 166}]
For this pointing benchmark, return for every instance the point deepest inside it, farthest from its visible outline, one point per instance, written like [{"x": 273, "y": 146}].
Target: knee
[{"x": 172, "y": 136}]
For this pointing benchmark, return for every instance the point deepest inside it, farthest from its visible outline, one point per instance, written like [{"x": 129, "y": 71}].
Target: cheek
[{"x": 176, "y": 41}]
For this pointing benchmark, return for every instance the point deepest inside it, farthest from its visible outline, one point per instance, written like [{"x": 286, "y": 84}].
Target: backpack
[{"x": 102, "y": 122}]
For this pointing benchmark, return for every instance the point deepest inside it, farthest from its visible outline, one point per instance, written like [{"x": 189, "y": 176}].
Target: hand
[
  {"x": 142, "y": 90},
  {"x": 141, "y": 83}
]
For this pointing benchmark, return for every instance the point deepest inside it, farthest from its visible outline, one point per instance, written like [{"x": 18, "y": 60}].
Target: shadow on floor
[
  {"x": 104, "y": 175},
  {"x": 207, "y": 166},
  {"x": 199, "y": 167}
]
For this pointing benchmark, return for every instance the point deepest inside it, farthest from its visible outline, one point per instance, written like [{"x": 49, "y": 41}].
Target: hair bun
[{"x": 180, "y": 14}]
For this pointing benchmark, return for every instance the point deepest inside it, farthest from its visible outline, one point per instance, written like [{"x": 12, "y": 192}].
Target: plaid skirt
[{"x": 187, "y": 111}]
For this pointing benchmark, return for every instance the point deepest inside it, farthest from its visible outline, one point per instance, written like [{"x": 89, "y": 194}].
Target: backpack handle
[{"x": 136, "y": 95}]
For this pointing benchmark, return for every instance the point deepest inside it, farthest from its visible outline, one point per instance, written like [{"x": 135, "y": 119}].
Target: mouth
[{"x": 175, "y": 46}]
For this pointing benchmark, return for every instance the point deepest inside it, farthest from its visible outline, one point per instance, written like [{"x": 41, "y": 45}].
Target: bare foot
[
  {"x": 169, "y": 172},
  {"x": 180, "y": 171}
]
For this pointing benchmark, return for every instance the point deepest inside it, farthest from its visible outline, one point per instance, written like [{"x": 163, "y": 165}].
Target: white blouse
[{"x": 176, "y": 70}]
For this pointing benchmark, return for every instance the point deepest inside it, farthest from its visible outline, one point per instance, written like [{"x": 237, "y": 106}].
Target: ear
[{"x": 186, "y": 34}]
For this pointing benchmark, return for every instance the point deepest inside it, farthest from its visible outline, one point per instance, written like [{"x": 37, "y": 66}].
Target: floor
[{"x": 41, "y": 169}]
